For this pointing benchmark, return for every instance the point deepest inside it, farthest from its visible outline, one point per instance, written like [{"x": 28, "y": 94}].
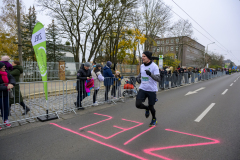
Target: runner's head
[{"x": 146, "y": 57}]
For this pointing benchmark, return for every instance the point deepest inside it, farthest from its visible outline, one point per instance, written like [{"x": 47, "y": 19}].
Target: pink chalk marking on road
[
  {"x": 138, "y": 135},
  {"x": 105, "y": 144},
  {"x": 123, "y": 130},
  {"x": 110, "y": 117},
  {"x": 150, "y": 150},
  {"x": 119, "y": 127}
]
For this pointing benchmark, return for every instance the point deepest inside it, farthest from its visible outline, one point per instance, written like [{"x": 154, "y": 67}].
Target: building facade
[{"x": 187, "y": 50}]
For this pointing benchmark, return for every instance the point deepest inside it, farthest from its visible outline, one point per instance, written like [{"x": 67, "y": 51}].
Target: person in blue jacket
[{"x": 108, "y": 78}]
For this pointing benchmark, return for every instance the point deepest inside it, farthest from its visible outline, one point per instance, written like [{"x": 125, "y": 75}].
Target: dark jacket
[
  {"x": 181, "y": 70},
  {"x": 3, "y": 88},
  {"x": 162, "y": 74},
  {"x": 82, "y": 75},
  {"x": 16, "y": 72},
  {"x": 175, "y": 73},
  {"x": 107, "y": 73},
  {"x": 8, "y": 65}
]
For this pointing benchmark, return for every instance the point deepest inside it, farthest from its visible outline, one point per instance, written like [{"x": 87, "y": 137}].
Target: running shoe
[
  {"x": 95, "y": 104},
  {"x": 147, "y": 113},
  {"x": 153, "y": 123},
  {"x": 0, "y": 128},
  {"x": 7, "y": 124}
]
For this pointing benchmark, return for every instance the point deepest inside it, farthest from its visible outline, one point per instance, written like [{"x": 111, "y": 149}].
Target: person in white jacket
[{"x": 98, "y": 78}]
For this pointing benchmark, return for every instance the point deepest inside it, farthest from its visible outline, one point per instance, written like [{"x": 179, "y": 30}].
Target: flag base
[{"x": 47, "y": 117}]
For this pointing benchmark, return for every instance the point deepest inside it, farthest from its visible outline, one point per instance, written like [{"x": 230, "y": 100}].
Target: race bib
[{"x": 145, "y": 80}]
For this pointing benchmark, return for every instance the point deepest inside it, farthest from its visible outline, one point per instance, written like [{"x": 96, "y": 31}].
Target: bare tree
[
  {"x": 69, "y": 15},
  {"x": 156, "y": 19},
  {"x": 8, "y": 16}
]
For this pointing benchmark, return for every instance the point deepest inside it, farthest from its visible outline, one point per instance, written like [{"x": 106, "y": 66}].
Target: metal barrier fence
[
  {"x": 31, "y": 70},
  {"x": 63, "y": 95},
  {"x": 175, "y": 80}
]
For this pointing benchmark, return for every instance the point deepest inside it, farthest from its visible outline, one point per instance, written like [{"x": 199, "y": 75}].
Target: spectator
[
  {"x": 5, "y": 60},
  {"x": 116, "y": 85},
  {"x": 162, "y": 77},
  {"x": 7, "y": 82},
  {"x": 98, "y": 78},
  {"x": 83, "y": 74},
  {"x": 108, "y": 78},
  {"x": 17, "y": 70},
  {"x": 175, "y": 81},
  {"x": 167, "y": 77},
  {"x": 181, "y": 74}
]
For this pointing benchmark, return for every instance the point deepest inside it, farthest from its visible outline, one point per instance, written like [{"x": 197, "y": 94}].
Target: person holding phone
[{"x": 83, "y": 74}]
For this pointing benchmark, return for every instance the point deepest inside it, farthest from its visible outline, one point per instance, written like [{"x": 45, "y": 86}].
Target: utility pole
[{"x": 19, "y": 37}]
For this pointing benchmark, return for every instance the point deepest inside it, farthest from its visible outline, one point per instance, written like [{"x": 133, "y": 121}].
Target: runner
[{"x": 148, "y": 77}]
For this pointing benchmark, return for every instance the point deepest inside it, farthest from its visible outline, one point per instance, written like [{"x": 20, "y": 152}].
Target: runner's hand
[{"x": 148, "y": 72}]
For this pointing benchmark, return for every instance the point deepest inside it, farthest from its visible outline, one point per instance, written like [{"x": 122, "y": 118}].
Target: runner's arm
[
  {"x": 138, "y": 78},
  {"x": 155, "y": 77}
]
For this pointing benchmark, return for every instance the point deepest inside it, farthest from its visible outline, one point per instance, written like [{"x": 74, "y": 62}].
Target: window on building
[
  {"x": 177, "y": 48},
  {"x": 171, "y": 48},
  {"x": 162, "y": 49},
  {"x": 158, "y": 42},
  {"x": 157, "y": 49},
  {"x": 167, "y": 41},
  {"x": 162, "y": 42},
  {"x": 177, "y": 40},
  {"x": 172, "y": 40},
  {"x": 167, "y": 49}
]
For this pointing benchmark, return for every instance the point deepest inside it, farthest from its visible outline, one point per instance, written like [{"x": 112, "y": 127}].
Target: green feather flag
[{"x": 39, "y": 46}]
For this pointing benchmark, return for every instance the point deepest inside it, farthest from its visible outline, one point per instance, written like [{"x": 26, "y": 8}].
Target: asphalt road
[{"x": 204, "y": 125}]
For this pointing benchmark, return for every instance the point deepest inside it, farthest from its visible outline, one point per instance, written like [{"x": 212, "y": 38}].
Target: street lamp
[{"x": 206, "y": 52}]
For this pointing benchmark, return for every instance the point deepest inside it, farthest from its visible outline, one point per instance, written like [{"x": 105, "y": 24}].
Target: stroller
[{"x": 130, "y": 89}]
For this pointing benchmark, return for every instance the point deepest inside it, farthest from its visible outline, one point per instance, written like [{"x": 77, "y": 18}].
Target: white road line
[
  {"x": 235, "y": 81},
  {"x": 231, "y": 84},
  {"x": 224, "y": 91},
  {"x": 200, "y": 117}
]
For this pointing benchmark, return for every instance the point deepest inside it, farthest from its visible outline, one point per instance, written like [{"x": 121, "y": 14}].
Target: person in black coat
[
  {"x": 7, "y": 82},
  {"x": 162, "y": 75},
  {"x": 84, "y": 73},
  {"x": 108, "y": 78}
]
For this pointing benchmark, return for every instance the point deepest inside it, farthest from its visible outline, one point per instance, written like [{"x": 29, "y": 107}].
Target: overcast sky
[{"x": 220, "y": 18}]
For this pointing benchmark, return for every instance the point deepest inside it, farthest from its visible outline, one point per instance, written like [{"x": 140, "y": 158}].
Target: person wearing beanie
[
  {"x": 98, "y": 78},
  {"x": 8, "y": 65},
  {"x": 109, "y": 63},
  {"x": 148, "y": 77},
  {"x": 83, "y": 74},
  {"x": 108, "y": 78},
  {"x": 7, "y": 82}
]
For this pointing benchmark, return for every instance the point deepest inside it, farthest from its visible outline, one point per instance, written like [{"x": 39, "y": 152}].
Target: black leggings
[
  {"x": 95, "y": 95},
  {"x": 140, "y": 105}
]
